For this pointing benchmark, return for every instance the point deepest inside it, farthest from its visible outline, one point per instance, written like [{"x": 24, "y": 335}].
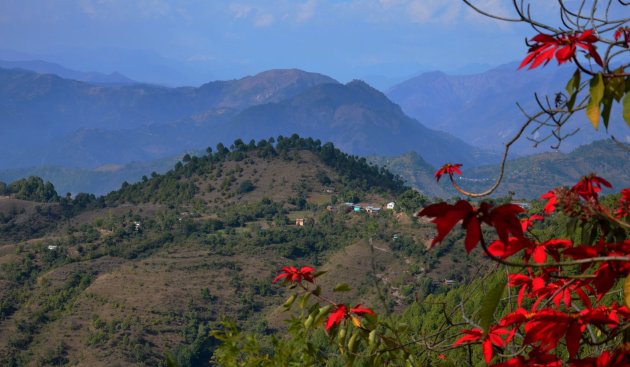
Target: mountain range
[
  {"x": 50, "y": 120},
  {"x": 481, "y": 108}
]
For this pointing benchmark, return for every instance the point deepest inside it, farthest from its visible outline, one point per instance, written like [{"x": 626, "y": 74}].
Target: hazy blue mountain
[
  {"x": 481, "y": 108},
  {"x": 44, "y": 67},
  {"x": 356, "y": 118},
  {"x": 43, "y": 114},
  {"x": 98, "y": 181},
  {"x": 54, "y": 121}
]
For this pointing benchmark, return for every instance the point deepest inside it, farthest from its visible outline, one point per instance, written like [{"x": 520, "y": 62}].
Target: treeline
[
  {"x": 32, "y": 188},
  {"x": 173, "y": 188}
]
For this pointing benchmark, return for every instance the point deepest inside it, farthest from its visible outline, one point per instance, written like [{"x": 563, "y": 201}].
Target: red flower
[
  {"x": 623, "y": 205},
  {"x": 563, "y": 46},
  {"x": 502, "y": 218},
  {"x": 492, "y": 338},
  {"x": 528, "y": 222},
  {"x": 449, "y": 169},
  {"x": 527, "y": 283},
  {"x": 589, "y": 186},
  {"x": 552, "y": 201},
  {"x": 625, "y": 31},
  {"x": 341, "y": 312},
  {"x": 536, "y": 358},
  {"x": 291, "y": 274}
]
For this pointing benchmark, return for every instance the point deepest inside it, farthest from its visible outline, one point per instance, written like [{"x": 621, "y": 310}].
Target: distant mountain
[
  {"x": 55, "y": 121},
  {"x": 481, "y": 108},
  {"x": 44, "y": 67},
  {"x": 358, "y": 119},
  {"x": 40, "y": 111},
  {"x": 527, "y": 177},
  {"x": 98, "y": 181}
]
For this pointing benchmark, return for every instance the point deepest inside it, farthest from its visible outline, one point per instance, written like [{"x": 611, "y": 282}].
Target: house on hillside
[
  {"x": 390, "y": 205},
  {"x": 372, "y": 209},
  {"x": 299, "y": 222}
]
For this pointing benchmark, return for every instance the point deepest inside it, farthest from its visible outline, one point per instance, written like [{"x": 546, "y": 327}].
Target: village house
[
  {"x": 372, "y": 209},
  {"x": 299, "y": 222}
]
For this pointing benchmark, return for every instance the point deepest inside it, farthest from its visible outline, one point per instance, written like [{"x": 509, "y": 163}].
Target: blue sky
[{"x": 194, "y": 41}]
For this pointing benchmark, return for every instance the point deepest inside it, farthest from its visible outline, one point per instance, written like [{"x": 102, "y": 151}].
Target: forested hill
[
  {"x": 190, "y": 177},
  {"x": 148, "y": 269},
  {"x": 527, "y": 177},
  {"x": 196, "y": 175}
]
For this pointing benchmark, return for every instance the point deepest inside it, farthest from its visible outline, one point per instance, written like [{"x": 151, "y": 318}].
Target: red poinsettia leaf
[
  {"x": 361, "y": 310},
  {"x": 540, "y": 255},
  {"x": 593, "y": 52},
  {"x": 487, "y": 350},
  {"x": 446, "y": 216},
  {"x": 543, "y": 57},
  {"x": 587, "y": 36},
  {"x": 573, "y": 336},
  {"x": 504, "y": 219},
  {"x": 448, "y": 169},
  {"x": 583, "y": 297},
  {"x": 336, "y": 316},
  {"x": 471, "y": 335},
  {"x": 552, "y": 200},
  {"x": 279, "y": 276},
  {"x": 565, "y": 53},
  {"x": 473, "y": 234},
  {"x": 544, "y": 38},
  {"x": 528, "y": 222}
]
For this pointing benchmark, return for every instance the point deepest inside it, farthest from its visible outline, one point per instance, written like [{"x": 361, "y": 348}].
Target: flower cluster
[
  {"x": 562, "y": 46},
  {"x": 554, "y": 310}
]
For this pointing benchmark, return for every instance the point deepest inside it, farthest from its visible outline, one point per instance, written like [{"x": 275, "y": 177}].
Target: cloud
[
  {"x": 306, "y": 11},
  {"x": 240, "y": 11},
  {"x": 263, "y": 20},
  {"x": 434, "y": 11}
]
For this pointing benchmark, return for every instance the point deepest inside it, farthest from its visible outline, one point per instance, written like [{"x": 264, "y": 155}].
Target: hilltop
[{"x": 146, "y": 270}]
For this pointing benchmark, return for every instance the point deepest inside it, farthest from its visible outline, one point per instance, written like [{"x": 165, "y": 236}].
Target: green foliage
[
  {"x": 411, "y": 201},
  {"x": 34, "y": 189}
]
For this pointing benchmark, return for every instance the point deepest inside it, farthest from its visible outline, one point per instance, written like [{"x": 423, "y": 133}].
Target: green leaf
[
  {"x": 304, "y": 300},
  {"x": 309, "y": 321},
  {"x": 319, "y": 273},
  {"x": 615, "y": 86},
  {"x": 626, "y": 107},
  {"x": 607, "y": 104},
  {"x": 572, "y": 88},
  {"x": 489, "y": 306},
  {"x": 597, "y": 93},
  {"x": 626, "y": 291},
  {"x": 342, "y": 287},
  {"x": 574, "y": 82},
  {"x": 289, "y": 302},
  {"x": 321, "y": 315},
  {"x": 317, "y": 291}
]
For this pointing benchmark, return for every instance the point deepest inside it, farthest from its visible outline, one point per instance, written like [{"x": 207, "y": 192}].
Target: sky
[{"x": 189, "y": 42}]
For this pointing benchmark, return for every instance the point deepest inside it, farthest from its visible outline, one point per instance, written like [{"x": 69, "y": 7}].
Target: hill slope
[
  {"x": 123, "y": 283},
  {"x": 527, "y": 177}
]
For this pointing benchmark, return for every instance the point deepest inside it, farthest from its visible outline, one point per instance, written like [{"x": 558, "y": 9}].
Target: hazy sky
[{"x": 194, "y": 41}]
